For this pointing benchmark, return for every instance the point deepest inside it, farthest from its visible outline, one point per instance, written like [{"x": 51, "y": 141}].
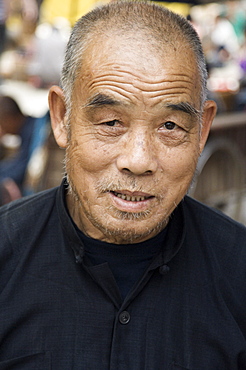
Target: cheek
[
  {"x": 88, "y": 155},
  {"x": 181, "y": 164}
]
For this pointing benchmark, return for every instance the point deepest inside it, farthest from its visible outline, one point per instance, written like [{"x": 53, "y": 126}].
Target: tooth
[{"x": 130, "y": 198}]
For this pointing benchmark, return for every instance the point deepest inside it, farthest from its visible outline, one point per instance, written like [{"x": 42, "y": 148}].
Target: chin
[{"x": 128, "y": 231}]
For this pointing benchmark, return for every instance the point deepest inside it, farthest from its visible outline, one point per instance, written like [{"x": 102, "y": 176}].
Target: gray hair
[{"x": 156, "y": 22}]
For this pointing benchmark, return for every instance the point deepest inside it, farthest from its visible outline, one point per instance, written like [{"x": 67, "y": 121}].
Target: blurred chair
[{"x": 220, "y": 176}]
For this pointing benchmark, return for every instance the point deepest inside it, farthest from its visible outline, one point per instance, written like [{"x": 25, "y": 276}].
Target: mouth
[{"x": 134, "y": 197}]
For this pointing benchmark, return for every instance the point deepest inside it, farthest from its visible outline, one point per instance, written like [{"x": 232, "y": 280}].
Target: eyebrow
[
  {"x": 100, "y": 100},
  {"x": 186, "y": 108}
]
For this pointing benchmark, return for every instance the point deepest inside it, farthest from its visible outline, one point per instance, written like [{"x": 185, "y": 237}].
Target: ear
[
  {"x": 209, "y": 113},
  {"x": 58, "y": 115}
]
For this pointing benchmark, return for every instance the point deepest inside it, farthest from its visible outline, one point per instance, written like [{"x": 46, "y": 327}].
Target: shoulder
[
  {"x": 211, "y": 221},
  {"x": 218, "y": 253},
  {"x": 21, "y": 215},
  {"x": 22, "y": 223},
  {"x": 220, "y": 238}
]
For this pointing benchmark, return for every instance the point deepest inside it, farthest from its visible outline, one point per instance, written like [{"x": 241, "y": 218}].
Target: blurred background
[{"x": 33, "y": 37}]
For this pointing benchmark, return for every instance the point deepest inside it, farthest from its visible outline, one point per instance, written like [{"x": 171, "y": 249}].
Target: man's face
[{"x": 134, "y": 139}]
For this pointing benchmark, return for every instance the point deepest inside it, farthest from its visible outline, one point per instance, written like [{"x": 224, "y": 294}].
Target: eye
[
  {"x": 169, "y": 125},
  {"x": 111, "y": 123}
]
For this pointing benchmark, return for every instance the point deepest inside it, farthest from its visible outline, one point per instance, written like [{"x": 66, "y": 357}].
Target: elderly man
[{"x": 117, "y": 268}]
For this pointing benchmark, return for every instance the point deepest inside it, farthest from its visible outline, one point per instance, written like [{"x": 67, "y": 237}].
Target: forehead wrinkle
[
  {"x": 151, "y": 83},
  {"x": 129, "y": 91},
  {"x": 118, "y": 71}
]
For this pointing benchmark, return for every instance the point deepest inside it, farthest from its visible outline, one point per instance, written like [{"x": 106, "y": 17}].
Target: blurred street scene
[{"x": 33, "y": 37}]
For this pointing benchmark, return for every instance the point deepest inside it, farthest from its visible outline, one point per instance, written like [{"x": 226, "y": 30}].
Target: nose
[{"x": 137, "y": 155}]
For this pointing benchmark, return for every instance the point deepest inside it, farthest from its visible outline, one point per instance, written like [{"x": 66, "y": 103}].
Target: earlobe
[
  {"x": 58, "y": 115},
  {"x": 209, "y": 113}
]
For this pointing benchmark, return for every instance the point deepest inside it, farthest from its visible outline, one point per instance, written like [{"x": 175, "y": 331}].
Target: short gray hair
[{"x": 155, "y": 21}]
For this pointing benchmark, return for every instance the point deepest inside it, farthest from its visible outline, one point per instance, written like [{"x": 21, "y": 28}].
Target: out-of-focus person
[
  {"x": 12, "y": 168},
  {"x": 48, "y": 49}
]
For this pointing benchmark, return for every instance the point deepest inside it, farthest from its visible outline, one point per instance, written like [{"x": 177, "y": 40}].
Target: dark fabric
[
  {"x": 57, "y": 311},
  {"x": 127, "y": 262}
]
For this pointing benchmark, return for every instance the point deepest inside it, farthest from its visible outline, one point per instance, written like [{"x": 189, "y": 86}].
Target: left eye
[
  {"x": 169, "y": 125},
  {"x": 111, "y": 123}
]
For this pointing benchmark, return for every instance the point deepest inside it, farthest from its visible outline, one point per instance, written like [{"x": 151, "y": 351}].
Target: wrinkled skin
[{"x": 135, "y": 137}]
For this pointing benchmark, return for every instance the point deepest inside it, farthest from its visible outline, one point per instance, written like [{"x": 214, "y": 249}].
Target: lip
[{"x": 126, "y": 205}]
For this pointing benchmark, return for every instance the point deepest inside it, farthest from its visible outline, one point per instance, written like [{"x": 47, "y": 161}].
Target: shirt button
[{"x": 124, "y": 317}]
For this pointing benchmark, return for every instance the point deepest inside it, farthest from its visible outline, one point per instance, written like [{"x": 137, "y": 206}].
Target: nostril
[{"x": 148, "y": 172}]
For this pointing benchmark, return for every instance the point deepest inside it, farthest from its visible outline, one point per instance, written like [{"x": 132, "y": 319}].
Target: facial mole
[{"x": 140, "y": 143}]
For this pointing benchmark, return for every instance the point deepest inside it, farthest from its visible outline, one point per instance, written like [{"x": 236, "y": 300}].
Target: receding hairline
[{"x": 157, "y": 43}]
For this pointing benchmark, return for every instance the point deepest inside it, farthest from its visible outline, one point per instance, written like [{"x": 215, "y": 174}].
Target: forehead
[{"x": 131, "y": 66}]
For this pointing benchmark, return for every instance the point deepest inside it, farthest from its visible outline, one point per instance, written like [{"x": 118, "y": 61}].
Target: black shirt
[
  {"x": 127, "y": 262},
  {"x": 57, "y": 311}
]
